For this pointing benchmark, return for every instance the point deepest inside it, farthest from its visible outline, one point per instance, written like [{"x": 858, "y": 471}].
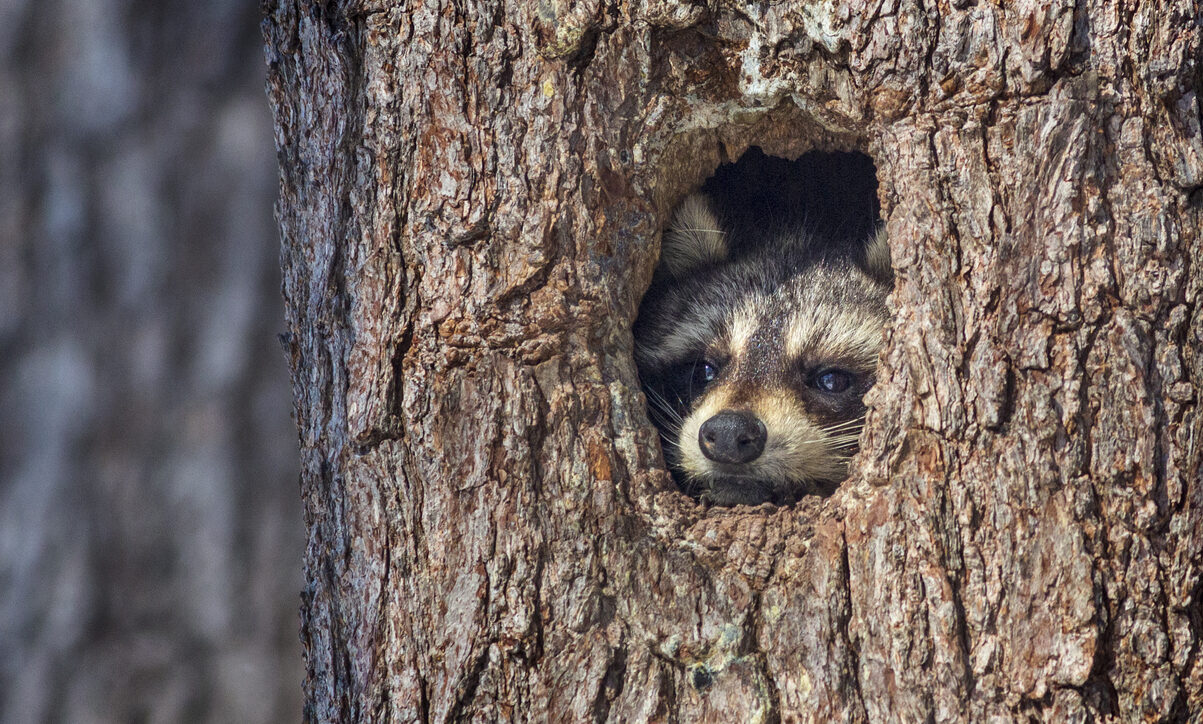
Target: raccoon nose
[{"x": 732, "y": 437}]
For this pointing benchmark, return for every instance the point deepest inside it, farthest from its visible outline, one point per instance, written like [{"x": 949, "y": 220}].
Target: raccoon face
[{"x": 755, "y": 360}]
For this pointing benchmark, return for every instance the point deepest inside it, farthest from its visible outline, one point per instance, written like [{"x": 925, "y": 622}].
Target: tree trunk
[{"x": 471, "y": 197}]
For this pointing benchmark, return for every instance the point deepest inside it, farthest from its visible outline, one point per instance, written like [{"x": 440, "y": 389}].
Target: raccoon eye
[
  {"x": 832, "y": 381},
  {"x": 704, "y": 373}
]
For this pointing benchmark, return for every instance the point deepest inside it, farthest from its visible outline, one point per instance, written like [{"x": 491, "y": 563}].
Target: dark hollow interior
[{"x": 832, "y": 194}]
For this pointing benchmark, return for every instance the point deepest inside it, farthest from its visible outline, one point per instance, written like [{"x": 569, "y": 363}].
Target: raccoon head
[{"x": 755, "y": 357}]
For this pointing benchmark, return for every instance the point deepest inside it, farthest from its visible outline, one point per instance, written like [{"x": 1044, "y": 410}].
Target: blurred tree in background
[{"x": 150, "y": 531}]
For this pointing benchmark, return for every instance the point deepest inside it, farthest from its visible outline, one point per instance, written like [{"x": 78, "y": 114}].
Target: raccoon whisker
[
  {"x": 666, "y": 427},
  {"x": 668, "y": 410},
  {"x": 846, "y": 449},
  {"x": 845, "y": 435},
  {"x": 668, "y": 438},
  {"x": 662, "y": 405},
  {"x": 849, "y": 437},
  {"x": 691, "y": 484},
  {"x": 832, "y": 441},
  {"x": 851, "y": 420},
  {"x": 845, "y": 430},
  {"x": 662, "y": 409},
  {"x": 668, "y": 423},
  {"x": 854, "y": 422}
]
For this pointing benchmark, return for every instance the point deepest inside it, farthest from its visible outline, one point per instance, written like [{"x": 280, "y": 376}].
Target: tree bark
[{"x": 471, "y": 197}]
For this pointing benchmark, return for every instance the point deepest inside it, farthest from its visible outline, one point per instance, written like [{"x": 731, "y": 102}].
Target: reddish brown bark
[{"x": 471, "y": 197}]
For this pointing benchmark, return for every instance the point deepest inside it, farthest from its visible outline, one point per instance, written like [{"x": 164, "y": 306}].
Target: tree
[
  {"x": 471, "y": 196},
  {"x": 149, "y": 527}
]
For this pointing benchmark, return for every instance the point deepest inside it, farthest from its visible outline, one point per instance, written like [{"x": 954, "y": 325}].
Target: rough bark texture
[
  {"x": 471, "y": 196},
  {"x": 150, "y": 534}
]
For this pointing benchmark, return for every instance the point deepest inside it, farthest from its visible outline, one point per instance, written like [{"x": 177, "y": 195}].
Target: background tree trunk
[
  {"x": 149, "y": 527},
  {"x": 471, "y": 196}
]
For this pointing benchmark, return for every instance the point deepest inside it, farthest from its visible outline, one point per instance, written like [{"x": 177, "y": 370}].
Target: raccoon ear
[
  {"x": 877, "y": 257},
  {"x": 693, "y": 238}
]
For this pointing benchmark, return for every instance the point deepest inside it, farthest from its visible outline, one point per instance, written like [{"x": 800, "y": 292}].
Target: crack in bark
[
  {"x": 762, "y": 659},
  {"x": 955, "y": 577},
  {"x": 843, "y": 626},
  {"x": 611, "y": 686}
]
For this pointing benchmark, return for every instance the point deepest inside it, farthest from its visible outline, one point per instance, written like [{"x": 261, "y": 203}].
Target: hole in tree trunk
[
  {"x": 832, "y": 194},
  {"x": 759, "y": 335}
]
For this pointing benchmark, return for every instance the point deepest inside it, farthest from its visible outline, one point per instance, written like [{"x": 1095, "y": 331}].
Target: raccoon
[{"x": 755, "y": 351}]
